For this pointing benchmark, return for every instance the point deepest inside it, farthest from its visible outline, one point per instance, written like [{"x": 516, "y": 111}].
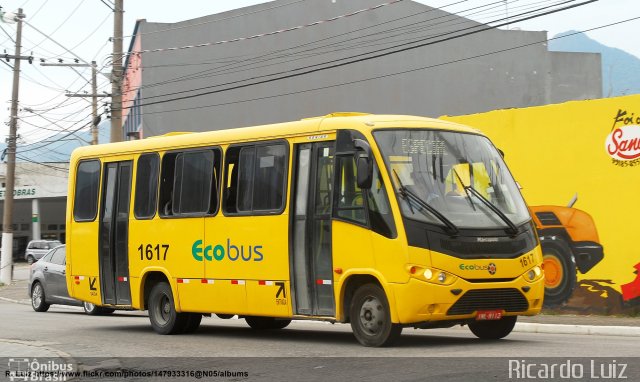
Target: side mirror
[{"x": 364, "y": 164}]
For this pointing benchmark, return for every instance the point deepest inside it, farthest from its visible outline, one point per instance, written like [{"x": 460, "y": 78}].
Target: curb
[{"x": 625, "y": 331}]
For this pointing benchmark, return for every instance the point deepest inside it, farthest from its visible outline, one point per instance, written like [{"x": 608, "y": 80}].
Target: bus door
[
  {"x": 114, "y": 227},
  {"x": 311, "y": 263}
]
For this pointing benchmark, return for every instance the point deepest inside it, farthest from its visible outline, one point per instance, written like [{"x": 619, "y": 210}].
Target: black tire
[
  {"x": 493, "y": 330},
  {"x": 371, "y": 318},
  {"x": 265, "y": 323},
  {"x": 38, "y": 300},
  {"x": 162, "y": 311},
  {"x": 560, "y": 272},
  {"x": 93, "y": 310},
  {"x": 30, "y": 260},
  {"x": 193, "y": 322}
]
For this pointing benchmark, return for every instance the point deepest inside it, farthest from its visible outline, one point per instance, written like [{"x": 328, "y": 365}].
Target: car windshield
[{"x": 459, "y": 175}]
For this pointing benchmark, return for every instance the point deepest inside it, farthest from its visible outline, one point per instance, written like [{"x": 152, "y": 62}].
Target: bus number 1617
[{"x": 148, "y": 252}]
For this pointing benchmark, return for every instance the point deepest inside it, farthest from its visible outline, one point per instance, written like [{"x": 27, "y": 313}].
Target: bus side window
[
  {"x": 230, "y": 194},
  {"x": 146, "y": 186},
  {"x": 353, "y": 206},
  {"x": 255, "y": 178},
  {"x": 380, "y": 214},
  {"x": 188, "y": 183},
  {"x": 85, "y": 204},
  {"x": 193, "y": 182},
  {"x": 165, "y": 203},
  {"x": 350, "y": 204}
]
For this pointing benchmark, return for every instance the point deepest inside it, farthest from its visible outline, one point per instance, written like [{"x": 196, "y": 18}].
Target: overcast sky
[{"x": 84, "y": 26}]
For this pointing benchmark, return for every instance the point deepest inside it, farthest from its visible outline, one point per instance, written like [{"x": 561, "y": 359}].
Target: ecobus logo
[
  {"x": 491, "y": 268},
  {"x": 231, "y": 251}
]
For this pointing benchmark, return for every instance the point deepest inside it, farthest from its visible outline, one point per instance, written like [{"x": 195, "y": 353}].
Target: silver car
[
  {"x": 48, "y": 284},
  {"x": 38, "y": 248}
]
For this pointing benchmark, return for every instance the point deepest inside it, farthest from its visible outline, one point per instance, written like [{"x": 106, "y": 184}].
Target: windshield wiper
[
  {"x": 411, "y": 196},
  {"x": 512, "y": 229}
]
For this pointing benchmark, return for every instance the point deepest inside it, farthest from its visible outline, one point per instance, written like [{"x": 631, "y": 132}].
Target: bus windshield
[{"x": 461, "y": 176}]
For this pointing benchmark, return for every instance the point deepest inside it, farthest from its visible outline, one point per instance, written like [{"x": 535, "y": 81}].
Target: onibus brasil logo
[{"x": 623, "y": 142}]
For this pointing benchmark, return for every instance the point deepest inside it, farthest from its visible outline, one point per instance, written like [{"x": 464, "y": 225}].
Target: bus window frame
[
  {"x": 285, "y": 180},
  {"x": 75, "y": 185},
  {"x": 156, "y": 212},
  {"x": 218, "y": 183}
]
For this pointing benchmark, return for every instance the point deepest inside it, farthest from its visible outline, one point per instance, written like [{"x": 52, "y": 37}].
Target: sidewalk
[
  {"x": 16, "y": 292},
  {"x": 542, "y": 323}
]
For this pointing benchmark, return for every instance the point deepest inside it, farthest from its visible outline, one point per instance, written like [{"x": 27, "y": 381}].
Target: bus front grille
[{"x": 507, "y": 299}]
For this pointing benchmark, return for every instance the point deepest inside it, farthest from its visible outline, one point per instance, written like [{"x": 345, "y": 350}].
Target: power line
[
  {"x": 313, "y": 24},
  {"x": 286, "y": 52},
  {"x": 353, "y": 59},
  {"x": 393, "y": 74},
  {"x": 218, "y": 71},
  {"x": 218, "y": 20},
  {"x": 59, "y": 26},
  {"x": 201, "y": 73}
]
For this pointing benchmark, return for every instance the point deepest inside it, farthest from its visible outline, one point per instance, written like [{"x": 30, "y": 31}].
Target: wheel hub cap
[{"x": 372, "y": 315}]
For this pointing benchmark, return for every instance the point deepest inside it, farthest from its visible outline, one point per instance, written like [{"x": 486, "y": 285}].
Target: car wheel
[
  {"x": 162, "y": 311},
  {"x": 38, "y": 302},
  {"x": 371, "y": 319},
  {"x": 91, "y": 309},
  {"x": 493, "y": 330},
  {"x": 30, "y": 260},
  {"x": 262, "y": 323}
]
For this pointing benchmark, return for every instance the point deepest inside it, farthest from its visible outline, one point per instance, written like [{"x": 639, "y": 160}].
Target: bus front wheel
[
  {"x": 493, "y": 330},
  {"x": 162, "y": 311},
  {"x": 371, "y": 318}
]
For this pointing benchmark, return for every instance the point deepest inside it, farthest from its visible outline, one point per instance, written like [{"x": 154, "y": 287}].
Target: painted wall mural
[{"x": 579, "y": 167}]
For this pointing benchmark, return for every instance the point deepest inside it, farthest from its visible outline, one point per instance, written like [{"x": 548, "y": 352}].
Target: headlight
[{"x": 534, "y": 273}]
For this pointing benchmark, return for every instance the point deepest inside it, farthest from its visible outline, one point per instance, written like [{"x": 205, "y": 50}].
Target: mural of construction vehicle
[{"x": 570, "y": 243}]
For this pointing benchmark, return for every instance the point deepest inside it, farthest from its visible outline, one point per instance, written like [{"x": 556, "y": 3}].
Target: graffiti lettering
[
  {"x": 623, "y": 142},
  {"x": 623, "y": 117}
]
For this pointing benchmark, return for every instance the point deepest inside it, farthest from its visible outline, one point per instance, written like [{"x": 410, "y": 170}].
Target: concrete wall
[
  {"x": 431, "y": 80},
  {"x": 574, "y": 76}
]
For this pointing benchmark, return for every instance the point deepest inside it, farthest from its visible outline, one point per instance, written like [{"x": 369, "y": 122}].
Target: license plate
[{"x": 486, "y": 315}]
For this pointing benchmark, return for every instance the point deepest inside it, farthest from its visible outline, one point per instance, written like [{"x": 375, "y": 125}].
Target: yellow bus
[{"x": 380, "y": 221}]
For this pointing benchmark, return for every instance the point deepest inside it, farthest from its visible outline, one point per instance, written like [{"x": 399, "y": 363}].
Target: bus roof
[{"x": 328, "y": 123}]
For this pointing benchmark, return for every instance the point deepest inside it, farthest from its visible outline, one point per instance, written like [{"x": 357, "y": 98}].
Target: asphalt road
[{"x": 310, "y": 348}]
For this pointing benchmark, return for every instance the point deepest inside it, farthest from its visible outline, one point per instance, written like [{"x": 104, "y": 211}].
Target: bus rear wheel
[
  {"x": 162, "y": 311},
  {"x": 371, "y": 318},
  {"x": 493, "y": 330},
  {"x": 262, "y": 323}
]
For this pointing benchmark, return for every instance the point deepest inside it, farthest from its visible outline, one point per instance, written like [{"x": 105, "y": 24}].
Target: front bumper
[{"x": 419, "y": 301}]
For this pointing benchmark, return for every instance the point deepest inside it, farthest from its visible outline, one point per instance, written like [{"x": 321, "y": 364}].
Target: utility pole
[
  {"x": 94, "y": 103},
  {"x": 6, "y": 264},
  {"x": 94, "y": 89},
  {"x": 116, "y": 74}
]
